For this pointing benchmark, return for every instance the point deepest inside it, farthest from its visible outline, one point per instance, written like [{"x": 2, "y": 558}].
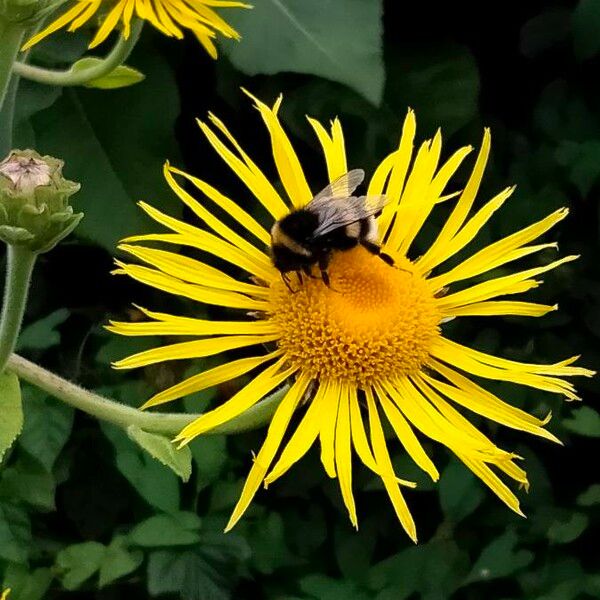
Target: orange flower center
[{"x": 374, "y": 321}]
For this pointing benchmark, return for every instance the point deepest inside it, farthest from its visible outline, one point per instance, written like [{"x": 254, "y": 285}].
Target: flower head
[
  {"x": 371, "y": 345},
  {"x": 170, "y": 17}
]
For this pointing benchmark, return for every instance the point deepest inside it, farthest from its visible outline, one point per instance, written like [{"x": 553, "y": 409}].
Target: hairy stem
[
  {"x": 20, "y": 263},
  {"x": 117, "y": 56},
  {"x": 122, "y": 415}
]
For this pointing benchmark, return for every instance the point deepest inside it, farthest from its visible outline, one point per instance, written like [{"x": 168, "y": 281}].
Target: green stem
[
  {"x": 122, "y": 415},
  {"x": 11, "y": 38},
  {"x": 117, "y": 56},
  {"x": 20, "y": 262}
]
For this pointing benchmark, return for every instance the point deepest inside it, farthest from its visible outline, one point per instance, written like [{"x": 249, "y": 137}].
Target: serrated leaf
[
  {"x": 584, "y": 421},
  {"x": 118, "y": 561},
  {"x": 162, "y": 449},
  {"x": 120, "y": 77},
  {"x": 176, "y": 529},
  {"x": 11, "y": 411},
  {"x": 77, "y": 563},
  {"x": 310, "y": 36}
]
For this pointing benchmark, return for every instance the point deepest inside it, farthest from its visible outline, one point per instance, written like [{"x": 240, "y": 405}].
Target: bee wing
[
  {"x": 342, "y": 187},
  {"x": 339, "y": 212}
]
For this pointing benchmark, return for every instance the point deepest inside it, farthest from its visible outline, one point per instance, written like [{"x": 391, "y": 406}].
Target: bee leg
[
  {"x": 323, "y": 264},
  {"x": 376, "y": 250},
  {"x": 307, "y": 271},
  {"x": 286, "y": 279}
]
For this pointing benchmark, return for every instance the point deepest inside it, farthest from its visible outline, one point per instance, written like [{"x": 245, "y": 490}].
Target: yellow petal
[
  {"x": 69, "y": 16},
  {"x": 228, "y": 206},
  {"x": 195, "y": 349},
  {"x": 384, "y": 466},
  {"x": 85, "y": 16},
  {"x": 406, "y": 436},
  {"x": 215, "y": 376},
  {"x": 240, "y": 402},
  {"x": 501, "y": 308},
  {"x": 359, "y": 436},
  {"x": 333, "y": 147},
  {"x": 264, "y": 458},
  {"x": 331, "y": 403},
  {"x": 303, "y": 438},
  {"x": 343, "y": 456},
  {"x": 461, "y": 210},
  {"x": 109, "y": 23},
  {"x": 288, "y": 166}
]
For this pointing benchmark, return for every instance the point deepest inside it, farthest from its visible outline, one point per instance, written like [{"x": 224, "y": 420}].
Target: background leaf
[{"x": 11, "y": 411}]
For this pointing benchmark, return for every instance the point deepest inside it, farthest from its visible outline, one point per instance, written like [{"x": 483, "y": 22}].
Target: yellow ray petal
[
  {"x": 359, "y": 436},
  {"x": 262, "y": 462},
  {"x": 85, "y": 16},
  {"x": 461, "y": 210},
  {"x": 405, "y": 435},
  {"x": 211, "y": 243},
  {"x": 288, "y": 166},
  {"x": 63, "y": 20},
  {"x": 501, "y": 308},
  {"x": 303, "y": 438},
  {"x": 473, "y": 226},
  {"x": 343, "y": 455},
  {"x": 252, "y": 177},
  {"x": 402, "y": 158},
  {"x": 381, "y": 175},
  {"x": 215, "y": 224},
  {"x": 333, "y": 147},
  {"x": 165, "y": 20},
  {"x": 229, "y": 206},
  {"x": 331, "y": 403},
  {"x": 545, "y": 377},
  {"x": 169, "y": 284},
  {"x": 192, "y": 270},
  {"x": 209, "y": 378},
  {"x": 195, "y": 349},
  {"x": 488, "y": 477},
  {"x": 385, "y": 468},
  {"x": 415, "y": 199},
  {"x": 500, "y": 286},
  {"x": 478, "y": 400},
  {"x": 247, "y": 397},
  {"x": 109, "y": 23}
]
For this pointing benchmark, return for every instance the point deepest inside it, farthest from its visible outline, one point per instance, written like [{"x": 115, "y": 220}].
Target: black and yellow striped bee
[{"x": 333, "y": 220}]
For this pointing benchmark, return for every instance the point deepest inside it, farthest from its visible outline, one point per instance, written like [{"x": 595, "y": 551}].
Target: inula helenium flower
[
  {"x": 170, "y": 17},
  {"x": 369, "y": 347}
]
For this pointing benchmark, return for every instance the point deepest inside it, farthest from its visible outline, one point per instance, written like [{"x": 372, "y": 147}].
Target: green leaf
[
  {"x": 564, "y": 532},
  {"x": 47, "y": 426},
  {"x": 42, "y": 334},
  {"x": 310, "y": 36},
  {"x": 115, "y": 145},
  {"x": 590, "y": 497},
  {"x": 29, "y": 482},
  {"x": 460, "y": 492},
  {"x": 500, "y": 559},
  {"x": 176, "y": 529},
  {"x": 208, "y": 571},
  {"x": 11, "y": 411},
  {"x": 122, "y": 76},
  {"x": 322, "y": 587},
  {"x": 584, "y": 421},
  {"x": 586, "y": 23},
  {"x": 269, "y": 549},
  {"x": 118, "y": 561},
  {"x": 210, "y": 455},
  {"x": 15, "y": 533},
  {"x": 25, "y": 583},
  {"x": 77, "y": 563},
  {"x": 162, "y": 449},
  {"x": 156, "y": 483}
]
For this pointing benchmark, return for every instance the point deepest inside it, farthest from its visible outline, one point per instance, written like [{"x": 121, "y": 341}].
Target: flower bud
[{"x": 34, "y": 201}]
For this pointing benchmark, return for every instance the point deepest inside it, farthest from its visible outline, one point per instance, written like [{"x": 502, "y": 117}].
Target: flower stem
[
  {"x": 11, "y": 38},
  {"x": 20, "y": 263},
  {"x": 117, "y": 56},
  {"x": 122, "y": 415}
]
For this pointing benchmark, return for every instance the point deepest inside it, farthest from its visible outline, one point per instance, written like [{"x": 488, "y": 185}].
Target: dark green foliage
[{"x": 87, "y": 513}]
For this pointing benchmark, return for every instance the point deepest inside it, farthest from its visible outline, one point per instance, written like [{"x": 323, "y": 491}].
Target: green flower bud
[{"x": 34, "y": 201}]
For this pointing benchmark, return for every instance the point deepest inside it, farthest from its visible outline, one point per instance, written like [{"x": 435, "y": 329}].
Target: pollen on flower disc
[{"x": 374, "y": 321}]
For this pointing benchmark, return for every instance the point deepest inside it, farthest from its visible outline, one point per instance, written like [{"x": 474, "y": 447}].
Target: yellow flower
[
  {"x": 168, "y": 16},
  {"x": 5, "y": 594},
  {"x": 368, "y": 347}
]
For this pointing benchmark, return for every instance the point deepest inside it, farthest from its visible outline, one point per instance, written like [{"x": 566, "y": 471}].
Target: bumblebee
[{"x": 333, "y": 220}]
